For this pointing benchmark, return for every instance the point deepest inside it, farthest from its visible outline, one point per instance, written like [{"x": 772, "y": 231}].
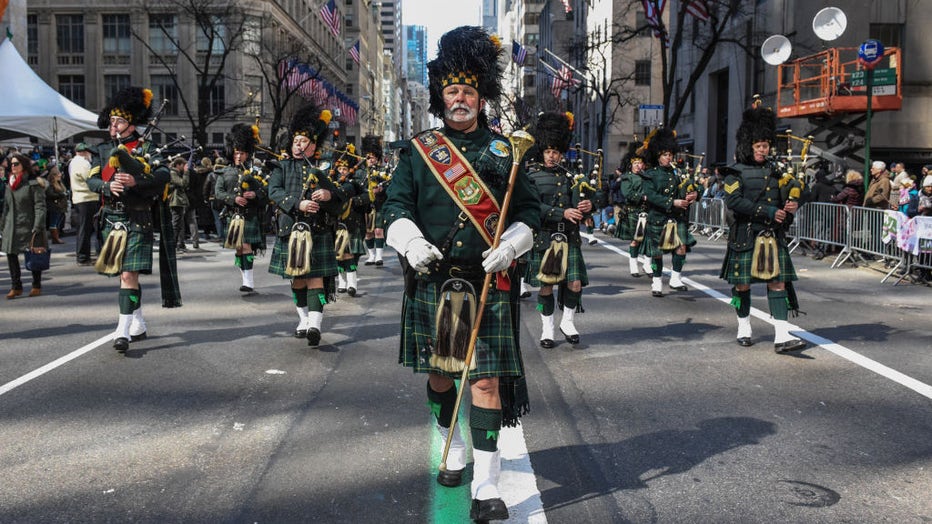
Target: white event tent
[{"x": 29, "y": 106}]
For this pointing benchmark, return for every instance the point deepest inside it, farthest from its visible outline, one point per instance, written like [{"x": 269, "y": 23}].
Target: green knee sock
[
  {"x": 441, "y": 404},
  {"x": 656, "y": 264},
  {"x": 247, "y": 261},
  {"x": 125, "y": 302},
  {"x": 484, "y": 425},
  {"x": 379, "y": 243},
  {"x": 299, "y": 295},
  {"x": 370, "y": 243},
  {"x": 633, "y": 251},
  {"x": 571, "y": 298},
  {"x": 778, "y": 305},
  {"x": 135, "y": 297},
  {"x": 678, "y": 262},
  {"x": 741, "y": 301},
  {"x": 545, "y": 304},
  {"x": 316, "y": 300}
]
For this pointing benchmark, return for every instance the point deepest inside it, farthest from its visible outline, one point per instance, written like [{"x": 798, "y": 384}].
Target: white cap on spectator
[
  {"x": 878, "y": 164},
  {"x": 927, "y": 182}
]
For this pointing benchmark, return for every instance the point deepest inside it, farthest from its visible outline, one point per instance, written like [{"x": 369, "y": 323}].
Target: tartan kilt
[
  {"x": 139, "y": 242},
  {"x": 496, "y": 351},
  {"x": 736, "y": 268},
  {"x": 252, "y": 233},
  {"x": 323, "y": 257},
  {"x": 357, "y": 243},
  {"x": 575, "y": 266},
  {"x": 651, "y": 244},
  {"x": 626, "y": 223}
]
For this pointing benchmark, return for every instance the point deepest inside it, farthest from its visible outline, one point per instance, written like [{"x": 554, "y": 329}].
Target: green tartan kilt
[
  {"x": 575, "y": 266},
  {"x": 496, "y": 348},
  {"x": 139, "y": 242},
  {"x": 651, "y": 244},
  {"x": 357, "y": 242},
  {"x": 323, "y": 257},
  {"x": 252, "y": 233},
  {"x": 626, "y": 223},
  {"x": 736, "y": 268}
]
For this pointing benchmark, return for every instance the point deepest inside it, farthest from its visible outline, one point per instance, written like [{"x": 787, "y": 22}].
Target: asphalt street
[{"x": 656, "y": 416}]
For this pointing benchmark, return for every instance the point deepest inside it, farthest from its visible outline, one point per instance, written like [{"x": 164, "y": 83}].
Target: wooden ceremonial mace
[{"x": 521, "y": 141}]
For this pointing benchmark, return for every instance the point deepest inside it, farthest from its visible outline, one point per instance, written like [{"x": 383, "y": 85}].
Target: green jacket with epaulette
[
  {"x": 662, "y": 185},
  {"x": 557, "y": 194},
  {"x": 416, "y": 194},
  {"x": 753, "y": 197}
]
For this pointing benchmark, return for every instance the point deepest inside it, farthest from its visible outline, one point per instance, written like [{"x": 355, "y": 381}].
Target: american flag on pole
[
  {"x": 518, "y": 53},
  {"x": 562, "y": 80},
  {"x": 331, "y": 16},
  {"x": 354, "y": 52},
  {"x": 698, "y": 9},
  {"x": 566, "y": 6}
]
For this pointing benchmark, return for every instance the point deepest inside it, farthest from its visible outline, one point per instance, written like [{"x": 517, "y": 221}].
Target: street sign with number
[
  {"x": 882, "y": 77},
  {"x": 650, "y": 115}
]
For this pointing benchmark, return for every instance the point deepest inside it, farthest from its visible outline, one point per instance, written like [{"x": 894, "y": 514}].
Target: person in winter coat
[
  {"x": 852, "y": 193},
  {"x": 23, "y": 221},
  {"x": 878, "y": 192}
]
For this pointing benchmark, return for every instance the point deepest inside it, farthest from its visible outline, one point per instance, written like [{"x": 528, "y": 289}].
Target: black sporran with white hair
[{"x": 456, "y": 313}]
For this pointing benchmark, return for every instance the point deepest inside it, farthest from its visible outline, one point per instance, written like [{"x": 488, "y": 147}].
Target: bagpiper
[
  {"x": 631, "y": 216},
  {"x": 308, "y": 205},
  {"x": 668, "y": 199},
  {"x": 351, "y": 226},
  {"x": 377, "y": 180},
  {"x": 131, "y": 182},
  {"x": 763, "y": 203},
  {"x": 243, "y": 189},
  {"x": 442, "y": 212},
  {"x": 565, "y": 202}
]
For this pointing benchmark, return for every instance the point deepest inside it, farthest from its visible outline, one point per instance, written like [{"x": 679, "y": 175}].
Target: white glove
[
  {"x": 404, "y": 237},
  {"x": 516, "y": 240}
]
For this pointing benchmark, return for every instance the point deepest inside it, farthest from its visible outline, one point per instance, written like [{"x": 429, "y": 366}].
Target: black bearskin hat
[
  {"x": 242, "y": 138},
  {"x": 657, "y": 142},
  {"x": 466, "y": 55},
  {"x": 630, "y": 156},
  {"x": 133, "y": 104},
  {"x": 553, "y": 131},
  {"x": 311, "y": 122},
  {"x": 372, "y": 144},
  {"x": 757, "y": 124}
]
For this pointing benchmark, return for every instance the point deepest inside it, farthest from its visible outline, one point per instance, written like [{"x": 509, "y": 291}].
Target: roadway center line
[
  {"x": 9, "y": 386},
  {"x": 828, "y": 345}
]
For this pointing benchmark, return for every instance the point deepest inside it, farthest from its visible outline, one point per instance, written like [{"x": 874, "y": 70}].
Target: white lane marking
[
  {"x": 9, "y": 386},
  {"x": 826, "y": 344},
  {"x": 518, "y": 483}
]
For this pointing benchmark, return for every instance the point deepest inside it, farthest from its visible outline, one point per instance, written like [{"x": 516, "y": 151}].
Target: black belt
[
  {"x": 444, "y": 270},
  {"x": 119, "y": 207}
]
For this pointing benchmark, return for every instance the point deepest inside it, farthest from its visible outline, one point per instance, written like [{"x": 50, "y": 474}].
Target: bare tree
[
  {"x": 609, "y": 91},
  {"x": 219, "y": 31},
  {"x": 280, "y": 60}
]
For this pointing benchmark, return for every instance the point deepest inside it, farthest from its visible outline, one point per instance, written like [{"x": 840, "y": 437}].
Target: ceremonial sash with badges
[{"x": 464, "y": 186}]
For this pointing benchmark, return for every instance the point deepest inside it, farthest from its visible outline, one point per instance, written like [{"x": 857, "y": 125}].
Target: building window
[
  {"x": 531, "y": 18},
  {"x": 890, "y": 35},
  {"x": 252, "y": 36},
  {"x": 164, "y": 88},
  {"x": 255, "y": 94},
  {"x": 116, "y": 34},
  {"x": 114, "y": 83},
  {"x": 217, "y": 138},
  {"x": 216, "y": 99},
  {"x": 32, "y": 35},
  {"x": 163, "y": 34},
  {"x": 642, "y": 72},
  {"x": 213, "y": 37},
  {"x": 531, "y": 39},
  {"x": 69, "y": 33},
  {"x": 530, "y": 80},
  {"x": 640, "y": 22},
  {"x": 349, "y": 64},
  {"x": 72, "y": 87}
]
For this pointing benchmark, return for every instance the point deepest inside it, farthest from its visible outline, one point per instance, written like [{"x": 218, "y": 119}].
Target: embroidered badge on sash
[
  {"x": 491, "y": 223},
  {"x": 427, "y": 139},
  {"x": 731, "y": 188},
  {"x": 468, "y": 190},
  {"x": 499, "y": 148},
  {"x": 441, "y": 155}
]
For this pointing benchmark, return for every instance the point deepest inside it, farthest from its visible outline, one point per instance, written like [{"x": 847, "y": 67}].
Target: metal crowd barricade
[
  {"x": 865, "y": 236},
  {"x": 823, "y": 224},
  {"x": 923, "y": 260},
  {"x": 707, "y": 216}
]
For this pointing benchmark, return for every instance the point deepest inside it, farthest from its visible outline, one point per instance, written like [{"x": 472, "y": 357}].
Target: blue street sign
[{"x": 870, "y": 51}]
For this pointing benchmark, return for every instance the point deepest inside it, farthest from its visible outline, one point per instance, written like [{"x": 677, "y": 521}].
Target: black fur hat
[
  {"x": 132, "y": 103},
  {"x": 553, "y": 131},
  {"x": 242, "y": 138},
  {"x": 311, "y": 122},
  {"x": 466, "y": 55},
  {"x": 758, "y": 124},
  {"x": 658, "y": 141},
  {"x": 630, "y": 156},
  {"x": 372, "y": 144}
]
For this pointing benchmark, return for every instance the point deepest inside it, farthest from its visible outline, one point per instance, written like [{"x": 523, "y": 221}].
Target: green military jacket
[
  {"x": 753, "y": 194},
  {"x": 291, "y": 182},
  {"x": 355, "y": 203},
  {"x": 149, "y": 186},
  {"x": 662, "y": 185},
  {"x": 557, "y": 193},
  {"x": 632, "y": 187},
  {"x": 416, "y": 194},
  {"x": 234, "y": 181}
]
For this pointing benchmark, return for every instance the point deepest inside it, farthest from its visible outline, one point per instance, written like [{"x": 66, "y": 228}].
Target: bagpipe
[{"x": 793, "y": 167}]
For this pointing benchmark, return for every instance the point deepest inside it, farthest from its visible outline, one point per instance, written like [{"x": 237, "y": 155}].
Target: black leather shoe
[
  {"x": 572, "y": 339},
  {"x": 300, "y": 333},
  {"x": 121, "y": 344},
  {"x": 341, "y": 290},
  {"x": 351, "y": 291},
  {"x": 370, "y": 262},
  {"x": 246, "y": 289},
  {"x": 636, "y": 275},
  {"x": 790, "y": 345},
  {"x": 450, "y": 478},
  {"x": 137, "y": 338},
  {"x": 745, "y": 341},
  {"x": 679, "y": 288},
  {"x": 378, "y": 262},
  {"x": 525, "y": 294},
  {"x": 657, "y": 294},
  {"x": 491, "y": 509},
  {"x": 313, "y": 337},
  {"x": 547, "y": 343}
]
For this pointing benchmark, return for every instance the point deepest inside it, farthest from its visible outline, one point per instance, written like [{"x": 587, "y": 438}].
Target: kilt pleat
[
  {"x": 139, "y": 243},
  {"x": 323, "y": 257},
  {"x": 575, "y": 266},
  {"x": 736, "y": 268}
]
